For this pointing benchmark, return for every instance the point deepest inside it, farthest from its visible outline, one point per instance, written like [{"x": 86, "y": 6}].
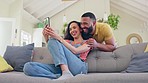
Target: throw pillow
[
  {"x": 138, "y": 64},
  {"x": 146, "y": 49},
  {"x": 17, "y": 56},
  {"x": 4, "y": 66}
]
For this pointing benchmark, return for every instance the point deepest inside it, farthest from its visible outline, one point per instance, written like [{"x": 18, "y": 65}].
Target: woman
[{"x": 68, "y": 54}]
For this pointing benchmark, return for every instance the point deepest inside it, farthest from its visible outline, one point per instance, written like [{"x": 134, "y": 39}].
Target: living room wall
[
  {"x": 74, "y": 12},
  {"x": 27, "y": 26},
  {"x": 15, "y": 10},
  {"x": 128, "y": 24},
  {"x": 4, "y": 9}
]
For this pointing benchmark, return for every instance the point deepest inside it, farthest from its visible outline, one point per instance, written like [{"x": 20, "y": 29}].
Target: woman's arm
[
  {"x": 75, "y": 50},
  {"x": 80, "y": 49}
]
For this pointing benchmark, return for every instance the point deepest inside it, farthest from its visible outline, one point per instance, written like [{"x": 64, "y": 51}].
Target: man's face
[{"x": 87, "y": 26}]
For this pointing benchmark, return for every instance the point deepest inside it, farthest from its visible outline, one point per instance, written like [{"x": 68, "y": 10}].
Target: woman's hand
[
  {"x": 45, "y": 32},
  {"x": 53, "y": 34},
  {"x": 92, "y": 42}
]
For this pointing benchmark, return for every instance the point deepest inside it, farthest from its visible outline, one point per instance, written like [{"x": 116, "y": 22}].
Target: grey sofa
[{"x": 104, "y": 67}]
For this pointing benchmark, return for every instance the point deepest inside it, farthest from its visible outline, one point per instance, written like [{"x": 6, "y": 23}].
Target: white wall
[
  {"x": 6, "y": 33},
  {"x": 4, "y": 9},
  {"x": 27, "y": 26},
  {"x": 37, "y": 37},
  {"x": 74, "y": 12},
  {"x": 5, "y": 29},
  {"x": 128, "y": 24},
  {"x": 16, "y": 12}
]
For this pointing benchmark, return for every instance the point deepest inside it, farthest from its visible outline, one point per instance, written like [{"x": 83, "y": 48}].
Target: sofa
[{"x": 103, "y": 67}]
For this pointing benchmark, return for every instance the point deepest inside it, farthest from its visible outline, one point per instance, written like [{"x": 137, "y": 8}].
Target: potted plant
[
  {"x": 64, "y": 28},
  {"x": 113, "y": 21}
]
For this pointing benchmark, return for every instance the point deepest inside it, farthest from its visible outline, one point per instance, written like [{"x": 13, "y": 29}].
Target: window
[{"x": 25, "y": 38}]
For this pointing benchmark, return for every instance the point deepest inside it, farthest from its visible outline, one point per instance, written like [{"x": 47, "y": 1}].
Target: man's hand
[{"x": 92, "y": 42}]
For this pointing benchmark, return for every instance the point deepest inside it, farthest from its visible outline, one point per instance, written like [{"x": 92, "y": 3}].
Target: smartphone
[{"x": 46, "y": 21}]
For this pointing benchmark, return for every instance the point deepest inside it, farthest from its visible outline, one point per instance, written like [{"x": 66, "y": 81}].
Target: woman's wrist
[{"x": 61, "y": 39}]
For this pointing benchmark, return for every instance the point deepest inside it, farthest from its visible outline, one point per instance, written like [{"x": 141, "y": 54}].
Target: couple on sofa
[{"x": 69, "y": 54}]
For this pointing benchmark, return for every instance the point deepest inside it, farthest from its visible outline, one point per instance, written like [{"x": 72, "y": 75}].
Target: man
[{"x": 101, "y": 33}]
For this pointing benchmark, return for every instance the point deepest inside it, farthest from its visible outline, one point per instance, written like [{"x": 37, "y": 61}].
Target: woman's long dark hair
[{"x": 67, "y": 35}]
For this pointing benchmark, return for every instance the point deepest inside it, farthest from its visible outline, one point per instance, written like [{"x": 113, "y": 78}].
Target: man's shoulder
[{"x": 102, "y": 25}]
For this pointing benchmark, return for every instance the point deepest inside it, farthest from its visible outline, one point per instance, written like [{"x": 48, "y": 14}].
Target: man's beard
[{"x": 87, "y": 35}]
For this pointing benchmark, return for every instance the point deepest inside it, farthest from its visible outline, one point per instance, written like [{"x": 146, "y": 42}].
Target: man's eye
[{"x": 84, "y": 23}]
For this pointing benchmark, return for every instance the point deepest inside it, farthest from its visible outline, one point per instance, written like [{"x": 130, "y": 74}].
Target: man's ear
[
  {"x": 94, "y": 23},
  {"x": 81, "y": 30}
]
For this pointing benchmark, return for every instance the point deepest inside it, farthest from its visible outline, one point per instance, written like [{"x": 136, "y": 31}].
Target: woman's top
[{"x": 83, "y": 55}]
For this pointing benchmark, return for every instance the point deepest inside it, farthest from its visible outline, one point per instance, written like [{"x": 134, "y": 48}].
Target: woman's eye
[
  {"x": 70, "y": 29},
  {"x": 74, "y": 27}
]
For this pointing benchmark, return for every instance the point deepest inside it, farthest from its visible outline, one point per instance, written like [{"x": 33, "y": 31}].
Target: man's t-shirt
[{"x": 103, "y": 32}]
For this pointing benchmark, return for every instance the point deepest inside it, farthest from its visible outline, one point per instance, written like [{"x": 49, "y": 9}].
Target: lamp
[
  {"x": 64, "y": 19},
  {"x": 64, "y": 24},
  {"x": 105, "y": 13},
  {"x": 105, "y": 17}
]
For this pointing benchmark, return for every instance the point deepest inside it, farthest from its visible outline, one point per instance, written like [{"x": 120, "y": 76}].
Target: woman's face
[{"x": 74, "y": 30}]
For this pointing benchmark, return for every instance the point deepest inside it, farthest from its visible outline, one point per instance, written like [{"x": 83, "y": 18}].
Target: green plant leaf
[
  {"x": 64, "y": 27},
  {"x": 113, "y": 21}
]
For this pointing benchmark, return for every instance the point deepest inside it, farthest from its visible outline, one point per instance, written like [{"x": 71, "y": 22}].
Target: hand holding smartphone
[{"x": 46, "y": 22}]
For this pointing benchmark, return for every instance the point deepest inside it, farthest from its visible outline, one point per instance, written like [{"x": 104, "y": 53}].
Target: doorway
[{"x": 7, "y": 32}]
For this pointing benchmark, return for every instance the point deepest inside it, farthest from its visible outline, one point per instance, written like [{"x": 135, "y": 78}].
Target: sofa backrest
[
  {"x": 115, "y": 61},
  {"x": 99, "y": 61}
]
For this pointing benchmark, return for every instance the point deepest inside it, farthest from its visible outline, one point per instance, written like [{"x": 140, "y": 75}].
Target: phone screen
[{"x": 46, "y": 21}]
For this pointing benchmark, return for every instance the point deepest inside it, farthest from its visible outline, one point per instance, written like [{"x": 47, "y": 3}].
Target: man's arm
[
  {"x": 109, "y": 45},
  {"x": 109, "y": 41}
]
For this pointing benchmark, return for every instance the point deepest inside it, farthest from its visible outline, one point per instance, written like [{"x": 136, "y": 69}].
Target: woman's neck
[{"x": 78, "y": 40}]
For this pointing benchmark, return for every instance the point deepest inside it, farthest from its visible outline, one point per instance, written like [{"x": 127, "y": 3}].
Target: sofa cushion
[
  {"x": 117, "y": 61},
  {"x": 17, "y": 56},
  {"x": 4, "y": 66},
  {"x": 99, "y": 61},
  {"x": 146, "y": 49},
  {"x": 139, "y": 63},
  {"x": 139, "y": 47},
  {"x": 42, "y": 55}
]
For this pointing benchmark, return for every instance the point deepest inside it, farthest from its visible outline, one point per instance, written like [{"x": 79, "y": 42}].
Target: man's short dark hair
[{"x": 90, "y": 15}]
